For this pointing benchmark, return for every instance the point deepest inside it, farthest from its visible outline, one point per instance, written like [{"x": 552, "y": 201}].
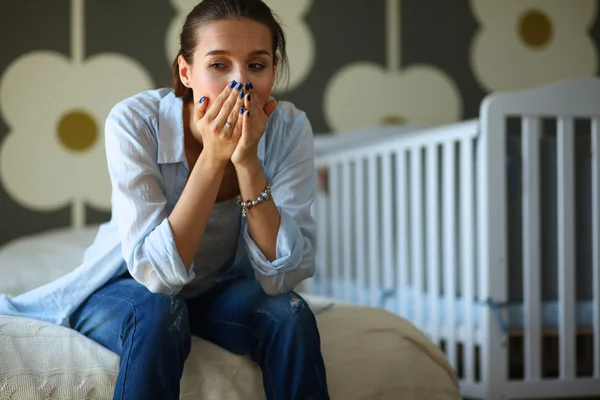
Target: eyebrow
[{"x": 225, "y": 52}]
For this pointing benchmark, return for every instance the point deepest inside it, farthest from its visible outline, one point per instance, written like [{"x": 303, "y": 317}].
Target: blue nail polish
[
  {"x": 247, "y": 86},
  {"x": 241, "y": 95},
  {"x": 202, "y": 99},
  {"x": 249, "y": 97},
  {"x": 242, "y": 110},
  {"x": 251, "y": 85},
  {"x": 232, "y": 84},
  {"x": 239, "y": 86}
]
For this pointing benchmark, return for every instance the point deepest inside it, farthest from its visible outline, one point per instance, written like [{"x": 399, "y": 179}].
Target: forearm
[
  {"x": 264, "y": 219},
  {"x": 191, "y": 213}
]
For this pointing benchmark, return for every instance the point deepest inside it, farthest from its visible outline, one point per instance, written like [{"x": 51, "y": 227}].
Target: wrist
[
  {"x": 248, "y": 164},
  {"x": 211, "y": 164},
  {"x": 251, "y": 178}
]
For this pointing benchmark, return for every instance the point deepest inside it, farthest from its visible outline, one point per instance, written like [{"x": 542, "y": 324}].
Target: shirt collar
[{"x": 170, "y": 130}]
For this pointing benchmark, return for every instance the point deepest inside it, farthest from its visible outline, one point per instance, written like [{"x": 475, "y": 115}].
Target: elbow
[
  {"x": 285, "y": 281},
  {"x": 270, "y": 291},
  {"x": 147, "y": 275},
  {"x": 303, "y": 274},
  {"x": 159, "y": 288},
  {"x": 272, "y": 285},
  {"x": 159, "y": 274}
]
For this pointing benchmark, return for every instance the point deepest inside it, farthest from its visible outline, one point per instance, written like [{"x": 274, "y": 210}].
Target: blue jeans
[{"x": 152, "y": 334}]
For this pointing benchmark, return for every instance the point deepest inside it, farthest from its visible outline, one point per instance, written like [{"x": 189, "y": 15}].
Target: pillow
[{"x": 34, "y": 260}]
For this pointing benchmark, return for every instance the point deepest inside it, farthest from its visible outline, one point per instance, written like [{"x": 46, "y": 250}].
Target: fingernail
[
  {"x": 249, "y": 97},
  {"x": 242, "y": 110},
  {"x": 239, "y": 86},
  {"x": 202, "y": 99},
  {"x": 232, "y": 84},
  {"x": 247, "y": 86},
  {"x": 241, "y": 95},
  {"x": 251, "y": 85}
]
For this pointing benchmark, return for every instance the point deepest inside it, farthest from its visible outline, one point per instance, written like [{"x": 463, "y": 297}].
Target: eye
[
  {"x": 257, "y": 66},
  {"x": 217, "y": 65}
]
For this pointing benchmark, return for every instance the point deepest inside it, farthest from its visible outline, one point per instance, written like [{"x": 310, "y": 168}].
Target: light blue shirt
[{"x": 148, "y": 169}]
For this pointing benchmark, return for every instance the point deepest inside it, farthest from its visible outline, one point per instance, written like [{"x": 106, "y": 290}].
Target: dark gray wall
[{"x": 432, "y": 34}]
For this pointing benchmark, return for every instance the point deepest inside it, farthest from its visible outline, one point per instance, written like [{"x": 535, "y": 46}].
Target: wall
[{"x": 64, "y": 63}]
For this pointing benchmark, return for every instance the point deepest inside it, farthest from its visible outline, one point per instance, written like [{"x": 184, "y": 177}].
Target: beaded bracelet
[{"x": 246, "y": 205}]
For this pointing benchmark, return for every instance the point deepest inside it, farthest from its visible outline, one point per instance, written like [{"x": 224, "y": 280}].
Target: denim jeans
[{"x": 152, "y": 334}]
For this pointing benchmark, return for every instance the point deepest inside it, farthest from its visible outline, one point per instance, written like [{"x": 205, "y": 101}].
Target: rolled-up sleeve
[
  {"x": 139, "y": 204},
  {"x": 293, "y": 189}
]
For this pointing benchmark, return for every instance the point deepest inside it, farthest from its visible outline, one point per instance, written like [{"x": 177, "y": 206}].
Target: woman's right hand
[{"x": 217, "y": 126}]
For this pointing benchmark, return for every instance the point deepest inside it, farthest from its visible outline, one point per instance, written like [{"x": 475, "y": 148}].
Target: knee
[
  {"x": 288, "y": 310},
  {"x": 164, "y": 315}
]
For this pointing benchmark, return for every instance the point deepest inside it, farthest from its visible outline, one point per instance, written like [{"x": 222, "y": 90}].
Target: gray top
[{"x": 217, "y": 248}]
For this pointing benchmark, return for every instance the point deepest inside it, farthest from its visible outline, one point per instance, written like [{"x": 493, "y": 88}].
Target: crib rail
[{"x": 386, "y": 240}]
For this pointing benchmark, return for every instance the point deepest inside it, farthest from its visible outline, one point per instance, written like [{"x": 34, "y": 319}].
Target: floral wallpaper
[{"x": 354, "y": 63}]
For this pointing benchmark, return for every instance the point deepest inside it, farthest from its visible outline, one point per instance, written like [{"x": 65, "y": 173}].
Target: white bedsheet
[{"x": 369, "y": 353}]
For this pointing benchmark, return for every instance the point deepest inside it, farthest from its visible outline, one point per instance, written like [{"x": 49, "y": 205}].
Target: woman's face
[{"x": 237, "y": 49}]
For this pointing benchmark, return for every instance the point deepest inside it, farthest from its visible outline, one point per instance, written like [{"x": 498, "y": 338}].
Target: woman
[{"x": 211, "y": 227}]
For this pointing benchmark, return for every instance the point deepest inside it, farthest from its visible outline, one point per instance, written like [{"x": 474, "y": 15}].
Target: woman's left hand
[{"x": 254, "y": 122}]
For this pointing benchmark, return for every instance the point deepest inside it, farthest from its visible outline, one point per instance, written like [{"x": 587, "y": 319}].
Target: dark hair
[{"x": 208, "y": 11}]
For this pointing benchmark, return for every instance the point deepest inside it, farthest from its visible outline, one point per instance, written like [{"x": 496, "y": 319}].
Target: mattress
[
  {"x": 514, "y": 312},
  {"x": 369, "y": 353}
]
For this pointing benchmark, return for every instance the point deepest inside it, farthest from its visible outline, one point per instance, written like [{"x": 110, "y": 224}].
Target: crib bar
[
  {"x": 433, "y": 245},
  {"x": 416, "y": 237},
  {"x": 450, "y": 246},
  {"x": 402, "y": 255},
  {"x": 347, "y": 222},
  {"x": 334, "y": 223},
  {"x": 566, "y": 245},
  {"x": 596, "y": 240},
  {"x": 530, "y": 134},
  {"x": 374, "y": 233},
  {"x": 467, "y": 238},
  {"x": 312, "y": 285},
  {"x": 387, "y": 221},
  {"x": 360, "y": 215},
  {"x": 492, "y": 243},
  {"x": 323, "y": 228}
]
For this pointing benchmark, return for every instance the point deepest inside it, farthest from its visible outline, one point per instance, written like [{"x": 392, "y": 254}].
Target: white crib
[{"x": 473, "y": 234}]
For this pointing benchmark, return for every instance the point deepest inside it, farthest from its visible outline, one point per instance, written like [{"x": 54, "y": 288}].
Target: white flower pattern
[
  {"x": 532, "y": 42},
  {"x": 300, "y": 40},
  {"x": 363, "y": 94},
  {"x": 55, "y": 106}
]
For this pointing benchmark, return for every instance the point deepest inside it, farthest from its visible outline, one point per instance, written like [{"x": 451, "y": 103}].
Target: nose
[{"x": 242, "y": 75}]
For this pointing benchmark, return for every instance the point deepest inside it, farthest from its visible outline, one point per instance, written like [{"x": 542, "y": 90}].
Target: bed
[
  {"x": 369, "y": 353},
  {"x": 484, "y": 233}
]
